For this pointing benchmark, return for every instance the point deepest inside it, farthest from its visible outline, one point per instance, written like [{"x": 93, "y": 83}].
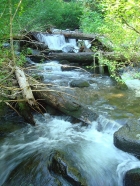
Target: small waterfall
[{"x": 58, "y": 42}]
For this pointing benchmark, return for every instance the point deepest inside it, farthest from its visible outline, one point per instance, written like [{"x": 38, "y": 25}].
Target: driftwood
[
  {"x": 24, "y": 109},
  {"x": 24, "y": 85}
]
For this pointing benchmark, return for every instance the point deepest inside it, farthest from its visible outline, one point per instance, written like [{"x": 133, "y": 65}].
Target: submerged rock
[
  {"x": 79, "y": 83},
  {"x": 132, "y": 178},
  {"x": 127, "y": 138}
]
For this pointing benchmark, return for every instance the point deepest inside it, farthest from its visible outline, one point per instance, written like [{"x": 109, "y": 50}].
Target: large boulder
[
  {"x": 127, "y": 138},
  {"x": 132, "y": 178}
]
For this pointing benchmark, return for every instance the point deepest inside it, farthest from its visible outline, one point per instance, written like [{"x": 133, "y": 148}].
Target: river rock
[
  {"x": 132, "y": 178},
  {"x": 61, "y": 165},
  {"x": 79, "y": 83},
  {"x": 127, "y": 138},
  {"x": 67, "y": 68}
]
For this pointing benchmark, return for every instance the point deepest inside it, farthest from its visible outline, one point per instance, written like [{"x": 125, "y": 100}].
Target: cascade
[{"x": 58, "y": 42}]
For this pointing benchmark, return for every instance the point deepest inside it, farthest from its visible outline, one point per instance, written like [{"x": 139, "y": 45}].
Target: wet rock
[
  {"x": 10, "y": 122},
  {"x": 127, "y": 138},
  {"x": 61, "y": 166},
  {"x": 132, "y": 178},
  {"x": 79, "y": 83}
]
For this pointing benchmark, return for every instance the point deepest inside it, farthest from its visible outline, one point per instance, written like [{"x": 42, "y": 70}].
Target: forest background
[{"x": 118, "y": 21}]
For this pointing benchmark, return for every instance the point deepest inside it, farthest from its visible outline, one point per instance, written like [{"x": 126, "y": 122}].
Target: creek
[{"x": 86, "y": 152}]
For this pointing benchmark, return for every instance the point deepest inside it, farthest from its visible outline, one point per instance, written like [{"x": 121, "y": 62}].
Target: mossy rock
[
  {"x": 61, "y": 165},
  {"x": 127, "y": 138},
  {"x": 79, "y": 83}
]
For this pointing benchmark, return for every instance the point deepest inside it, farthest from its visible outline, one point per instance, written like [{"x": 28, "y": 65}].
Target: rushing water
[
  {"x": 91, "y": 151},
  {"x": 26, "y": 154}
]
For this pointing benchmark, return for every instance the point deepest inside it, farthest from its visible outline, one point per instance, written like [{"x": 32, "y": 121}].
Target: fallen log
[
  {"x": 70, "y": 34},
  {"x": 28, "y": 96},
  {"x": 97, "y": 40},
  {"x": 80, "y": 57},
  {"x": 77, "y": 35},
  {"x": 64, "y": 103},
  {"x": 25, "y": 87},
  {"x": 89, "y": 56},
  {"x": 134, "y": 57}
]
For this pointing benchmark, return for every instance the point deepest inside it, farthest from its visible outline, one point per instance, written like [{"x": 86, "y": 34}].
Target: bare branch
[
  {"x": 16, "y": 9},
  {"x": 131, "y": 27}
]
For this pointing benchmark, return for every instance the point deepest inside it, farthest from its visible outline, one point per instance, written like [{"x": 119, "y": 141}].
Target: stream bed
[{"x": 58, "y": 151}]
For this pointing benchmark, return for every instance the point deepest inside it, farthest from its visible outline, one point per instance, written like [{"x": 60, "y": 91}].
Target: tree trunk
[
  {"x": 65, "y": 103},
  {"x": 81, "y": 57}
]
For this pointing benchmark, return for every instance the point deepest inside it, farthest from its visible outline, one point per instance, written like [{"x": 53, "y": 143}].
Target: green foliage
[
  {"x": 119, "y": 22},
  {"x": 38, "y": 15},
  {"x": 50, "y": 13},
  {"x": 70, "y": 15}
]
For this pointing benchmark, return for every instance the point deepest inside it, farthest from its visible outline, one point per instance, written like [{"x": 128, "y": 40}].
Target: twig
[
  {"x": 12, "y": 108},
  {"x": 13, "y": 70}
]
